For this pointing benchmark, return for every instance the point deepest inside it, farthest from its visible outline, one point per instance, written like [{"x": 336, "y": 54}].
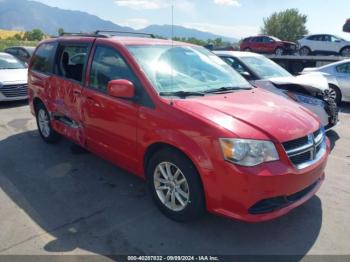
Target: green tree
[
  {"x": 34, "y": 35},
  {"x": 17, "y": 37},
  {"x": 289, "y": 25}
]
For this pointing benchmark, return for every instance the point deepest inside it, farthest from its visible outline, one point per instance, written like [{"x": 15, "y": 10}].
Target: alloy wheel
[
  {"x": 171, "y": 186},
  {"x": 44, "y": 123}
]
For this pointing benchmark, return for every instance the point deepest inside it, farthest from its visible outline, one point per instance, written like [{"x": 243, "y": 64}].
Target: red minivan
[{"x": 178, "y": 116}]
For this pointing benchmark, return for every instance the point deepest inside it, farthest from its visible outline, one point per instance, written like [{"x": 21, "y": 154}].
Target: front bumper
[
  {"x": 238, "y": 192},
  {"x": 13, "y": 92}
]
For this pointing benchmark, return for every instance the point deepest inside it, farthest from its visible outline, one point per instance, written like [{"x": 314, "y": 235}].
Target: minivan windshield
[
  {"x": 264, "y": 68},
  {"x": 10, "y": 62},
  {"x": 186, "y": 69}
]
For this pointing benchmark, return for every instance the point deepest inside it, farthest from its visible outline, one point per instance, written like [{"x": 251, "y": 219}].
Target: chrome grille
[
  {"x": 14, "y": 90},
  {"x": 307, "y": 150}
]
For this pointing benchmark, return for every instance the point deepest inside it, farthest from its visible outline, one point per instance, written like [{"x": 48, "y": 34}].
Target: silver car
[
  {"x": 338, "y": 76},
  {"x": 13, "y": 78},
  {"x": 310, "y": 91}
]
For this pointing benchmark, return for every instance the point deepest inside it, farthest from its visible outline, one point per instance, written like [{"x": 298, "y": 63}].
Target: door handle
[{"x": 76, "y": 92}]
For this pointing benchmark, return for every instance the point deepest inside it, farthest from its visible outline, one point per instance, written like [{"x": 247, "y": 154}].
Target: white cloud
[
  {"x": 227, "y": 2},
  {"x": 142, "y": 4},
  {"x": 136, "y": 23},
  {"x": 237, "y": 31},
  {"x": 155, "y": 4}
]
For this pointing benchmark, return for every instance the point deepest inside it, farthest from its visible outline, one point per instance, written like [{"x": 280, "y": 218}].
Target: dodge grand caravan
[{"x": 178, "y": 116}]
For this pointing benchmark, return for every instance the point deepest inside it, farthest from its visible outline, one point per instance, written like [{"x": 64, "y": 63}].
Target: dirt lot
[{"x": 58, "y": 199}]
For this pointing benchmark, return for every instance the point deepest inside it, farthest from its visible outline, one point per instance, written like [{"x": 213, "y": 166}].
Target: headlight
[{"x": 246, "y": 152}]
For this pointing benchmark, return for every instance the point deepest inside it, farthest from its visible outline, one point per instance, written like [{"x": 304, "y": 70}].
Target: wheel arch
[
  {"x": 158, "y": 146},
  {"x": 341, "y": 50},
  {"x": 36, "y": 102}
]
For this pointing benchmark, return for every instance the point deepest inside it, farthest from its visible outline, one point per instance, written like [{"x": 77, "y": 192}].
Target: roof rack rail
[
  {"x": 82, "y": 34},
  {"x": 100, "y": 32}
]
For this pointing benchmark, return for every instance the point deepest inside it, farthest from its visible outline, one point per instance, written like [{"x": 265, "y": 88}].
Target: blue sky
[{"x": 235, "y": 18}]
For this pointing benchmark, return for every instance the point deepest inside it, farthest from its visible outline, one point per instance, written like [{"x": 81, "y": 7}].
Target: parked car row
[
  {"x": 325, "y": 44},
  {"x": 180, "y": 117}
]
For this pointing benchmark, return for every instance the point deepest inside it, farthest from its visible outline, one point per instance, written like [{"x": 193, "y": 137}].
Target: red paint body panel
[{"x": 122, "y": 131}]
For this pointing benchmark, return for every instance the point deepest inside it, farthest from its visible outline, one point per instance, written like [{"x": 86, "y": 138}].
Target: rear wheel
[
  {"x": 345, "y": 52},
  {"x": 44, "y": 125},
  {"x": 248, "y": 50},
  {"x": 304, "y": 51},
  {"x": 175, "y": 185}
]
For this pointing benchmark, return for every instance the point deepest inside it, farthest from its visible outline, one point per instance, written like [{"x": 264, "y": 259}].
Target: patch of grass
[{"x": 5, "y": 34}]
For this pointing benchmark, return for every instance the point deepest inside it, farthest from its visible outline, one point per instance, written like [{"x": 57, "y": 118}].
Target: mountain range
[{"x": 26, "y": 15}]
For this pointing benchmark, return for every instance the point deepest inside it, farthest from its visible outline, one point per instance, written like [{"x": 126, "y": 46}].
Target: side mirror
[
  {"x": 121, "y": 88},
  {"x": 246, "y": 75}
]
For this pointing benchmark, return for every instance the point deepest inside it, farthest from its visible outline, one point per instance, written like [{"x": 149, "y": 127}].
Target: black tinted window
[
  {"x": 12, "y": 51},
  {"x": 316, "y": 38},
  {"x": 108, "y": 65},
  {"x": 42, "y": 60},
  {"x": 71, "y": 61},
  {"x": 344, "y": 68}
]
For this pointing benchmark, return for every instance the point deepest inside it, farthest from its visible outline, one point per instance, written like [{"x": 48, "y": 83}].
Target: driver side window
[{"x": 108, "y": 65}]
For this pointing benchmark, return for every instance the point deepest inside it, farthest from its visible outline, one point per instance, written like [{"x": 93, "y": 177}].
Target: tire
[
  {"x": 248, "y": 50},
  {"x": 47, "y": 133},
  {"x": 335, "y": 94},
  {"x": 345, "y": 51},
  {"x": 183, "y": 201},
  {"x": 304, "y": 51},
  {"x": 279, "y": 51}
]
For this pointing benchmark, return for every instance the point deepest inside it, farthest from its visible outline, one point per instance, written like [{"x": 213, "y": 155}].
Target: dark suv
[{"x": 268, "y": 45}]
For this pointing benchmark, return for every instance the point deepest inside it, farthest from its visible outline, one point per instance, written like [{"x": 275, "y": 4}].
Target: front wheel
[
  {"x": 44, "y": 125},
  {"x": 175, "y": 186},
  {"x": 279, "y": 51},
  {"x": 334, "y": 94}
]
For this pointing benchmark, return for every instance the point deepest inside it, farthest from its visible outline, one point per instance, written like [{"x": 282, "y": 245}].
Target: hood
[
  {"x": 314, "y": 83},
  {"x": 8, "y": 76},
  {"x": 254, "y": 114},
  {"x": 288, "y": 43},
  {"x": 310, "y": 69}
]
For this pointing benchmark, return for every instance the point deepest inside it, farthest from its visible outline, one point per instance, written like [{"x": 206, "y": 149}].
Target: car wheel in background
[
  {"x": 345, "y": 51},
  {"x": 248, "y": 50},
  {"x": 279, "y": 51},
  {"x": 335, "y": 94},
  {"x": 44, "y": 125},
  {"x": 175, "y": 185},
  {"x": 304, "y": 51}
]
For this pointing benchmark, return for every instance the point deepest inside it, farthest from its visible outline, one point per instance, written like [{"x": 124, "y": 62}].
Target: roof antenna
[{"x": 172, "y": 46}]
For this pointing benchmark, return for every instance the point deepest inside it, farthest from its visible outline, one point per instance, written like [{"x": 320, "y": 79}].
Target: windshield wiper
[
  {"x": 182, "y": 94},
  {"x": 225, "y": 89}
]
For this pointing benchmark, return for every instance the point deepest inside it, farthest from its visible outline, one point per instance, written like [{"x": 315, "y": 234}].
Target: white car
[
  {"x": 310, "y": 91},
  {"x": 13, "y": 78},
  {"x": 324, "y": 44},
  {"x": 338, "y": 76}
]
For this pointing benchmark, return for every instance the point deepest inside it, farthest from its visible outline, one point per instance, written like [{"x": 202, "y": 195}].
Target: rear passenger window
[
  {"x": 71, "y": 61},
  {"x": 108, "y": 65},
  {"x": 42, "y": 59}
]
